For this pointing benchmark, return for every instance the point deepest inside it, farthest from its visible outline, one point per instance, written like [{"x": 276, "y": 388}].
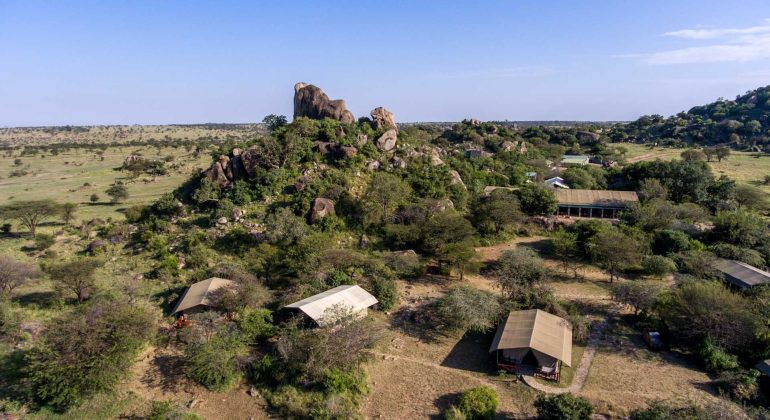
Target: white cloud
[{"x": 728, "y": 45}]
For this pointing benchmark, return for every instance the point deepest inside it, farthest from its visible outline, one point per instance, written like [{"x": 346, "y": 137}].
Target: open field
[
  {"x": 74, "y": 175},
  {"x": 114, "y": 134},
  {"x": 744, "y": 167}
]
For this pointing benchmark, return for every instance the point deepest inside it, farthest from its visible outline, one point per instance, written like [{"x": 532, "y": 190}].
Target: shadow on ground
[{"x": 471, "y": 353}]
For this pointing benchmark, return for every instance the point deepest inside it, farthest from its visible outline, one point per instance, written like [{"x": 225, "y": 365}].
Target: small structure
[
  {"x": 764, "y": 367},
  {"x": 575, "y": 160},
  {"x": 349, "y": 296},
  {"x": 556, "y": 182},
  {"x": 740, "y": 275},
  {"x": 603, "y": 204},
  {"x": 534, "y": 339},
  {"x": 197, "y": 297}
]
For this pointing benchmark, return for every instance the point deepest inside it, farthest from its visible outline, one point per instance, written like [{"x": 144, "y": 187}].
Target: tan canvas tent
[
  {"x": 353, "y": 297},
  {"x": 196, "y": 297},
  {"x": 545, "y": 336}
]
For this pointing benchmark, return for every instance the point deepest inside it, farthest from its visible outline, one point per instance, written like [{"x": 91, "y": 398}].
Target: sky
[{"x": 168, "y": 62}]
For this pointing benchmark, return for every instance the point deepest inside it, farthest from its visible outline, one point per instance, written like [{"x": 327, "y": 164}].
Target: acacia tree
[
  {"x": 469, "y": 309},
  {"x": 76, "y": 276},
  {"x": 613, "y": 250},
  {"x": 460, "y": 255},
  {"x": 117, "y": 192},
  {"x": 722, "y": 152},
  {"x": 520, "y": 271},
  {"x": 68, "y": 212},
  {"x": 30, "y": 213},
  {"x": 565, "y": 247},
  {"x": 636, "y": 294},
  {"x": 14, "y": 274}
]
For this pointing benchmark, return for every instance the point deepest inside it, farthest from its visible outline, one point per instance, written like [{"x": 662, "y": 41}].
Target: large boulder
[
  {"x": 382, "y": 118},
  {"x": 455, "y": 179},
  {"x": 221, "y": 173},
  {"x": 322, "y": 207},
  {"x": 250, "y": 160},
  {"x": 387, "y": 140},
  {"x": 311, "y": 102}
]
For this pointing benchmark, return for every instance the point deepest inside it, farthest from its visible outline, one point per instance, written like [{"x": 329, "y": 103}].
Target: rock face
[
  {"x": 322, "y": 207},
  {"x": 455, "y": 178},
  {"x": 382, "y": 118},
  {"x": 387, "y": 140},
  {"x": 311, "y": 102},
  {"x": 336, "y": 151}
]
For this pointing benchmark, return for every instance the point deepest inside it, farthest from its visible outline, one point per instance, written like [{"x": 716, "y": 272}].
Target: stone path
[{"x": 596, "y": 336}]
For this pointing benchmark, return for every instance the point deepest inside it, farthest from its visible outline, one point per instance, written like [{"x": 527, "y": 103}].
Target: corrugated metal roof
[
  {"x": 742, "y": 274},
  {"x": 351, "y": 296},
  {"x": 599, "y": 198},
  {"x": 198, "y": 293},
  {"x": 537, "y": 330},
  {"x": 580, "y": 159}
]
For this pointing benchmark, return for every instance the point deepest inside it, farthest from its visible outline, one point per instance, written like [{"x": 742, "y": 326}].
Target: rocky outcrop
[
  {"x": 311, "y": 102},
  {"x": 455, "y": 178},
  {"x": 382, "y": 118},
  {"x": 219, "y": 172},
  {"x": 361, "y": 140},
  {"x": 322, "y": 207},
  {"x": 387, "y": 141},
  {"x": 336, "y": 151}
]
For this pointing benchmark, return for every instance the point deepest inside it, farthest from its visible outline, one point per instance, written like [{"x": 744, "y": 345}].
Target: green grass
[
  {"x": 744, "y": 167},
  {"x": 63, "y": 178}
]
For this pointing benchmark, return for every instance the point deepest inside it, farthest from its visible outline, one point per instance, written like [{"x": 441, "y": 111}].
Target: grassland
[
  {"x": 75, "y": 175},
  {"x": 744, "y": 167}
]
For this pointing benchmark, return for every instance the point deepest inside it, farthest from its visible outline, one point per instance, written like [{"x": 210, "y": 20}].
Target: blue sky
[{"x": 160, "y": 62}]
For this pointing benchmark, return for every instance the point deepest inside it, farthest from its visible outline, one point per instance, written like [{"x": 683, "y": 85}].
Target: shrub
[
  {"x": 169, "y": 410},
  {"x": 405, "y": 264},
  {"x": 660, "y": 410},
  {"x": 386, "y": 292},
  {"x": 741, "y": 386},
  {"x": 658, "y": 265},
  {"x": 214, "y": 363},
  {"x": 134, "y": 213},
  {"x": 468, "y": 308},
  {"x": 44, "y": 241},
  {"x": 6, "y": 228},
  {"x": 255, "y": 324},
  {"x": 479, "y": 403},
  {"x": 86, "y": 352},
  {"x": 563, "y": 407},
  {"x": 749, "y": 256},
  {"x": 716, "y": 359},
  {"x": 338, "y": 381},
  {"x": 454, "y": 413}
]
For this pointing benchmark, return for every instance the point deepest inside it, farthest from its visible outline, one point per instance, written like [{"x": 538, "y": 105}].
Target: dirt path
[{"x": 596, "y": 336}]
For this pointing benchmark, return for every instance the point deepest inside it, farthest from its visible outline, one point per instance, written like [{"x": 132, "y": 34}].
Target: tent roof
[
  {"x": 198, "y": 293},
  {"x": 537, "y": 330},
  {"x": 742, "y": 274},
  {"x": 764, "y": 367},
  {"x": 598, "y": 198},
  {"x": 352, "y": 296}
]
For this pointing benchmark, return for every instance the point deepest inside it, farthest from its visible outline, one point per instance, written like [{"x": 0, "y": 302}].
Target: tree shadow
[
  {"x": 417, "y": 322},
  {"x": 471, "y": 353},
  {"x": 39, "y": 299},
  {"x": 167, "y": 372},
  {"x": 443, "y": 403}
]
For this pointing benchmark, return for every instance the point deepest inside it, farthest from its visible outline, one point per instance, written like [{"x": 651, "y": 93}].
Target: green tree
[
  {"x": 94, "y": 198},
  {"x": 639, "y": 295},
  {"x": 117, "y": 192},
  {"x": 613, "y": 250},
  {"x": 520, "y": 269},
  {"x": 722, "y": 153},
  {"x": 565, "y": 247},
  {"x": 383, "y": 195},
  {"x": 741, "y": 227},
  {"x": 274, "y": 122},
  {"x": 459, "y": 255},
  {"x": 445, "y": 228},
  {"x": 68, "y": 211},
  {"x": 30, "y": 213},
  {"x": 536, "y": 199},
  {"x": 14, "y": 274},
  {"x": 479, "y": 403},
  {"x": 693, "y": 155},
  {"x": 495, "y": 212},
  {"x": 563, "y": 407},
  {"x": 76, "y": 276}
]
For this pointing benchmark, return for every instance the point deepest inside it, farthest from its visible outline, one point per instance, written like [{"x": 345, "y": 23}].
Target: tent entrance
[{"x": 529, "y": 359}]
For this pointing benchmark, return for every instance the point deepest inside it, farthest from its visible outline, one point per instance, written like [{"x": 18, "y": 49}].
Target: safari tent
[
  {"x": 533, "y": 339},
  {"x": 741, "y": 275},
  {"x": 197, "y": 297},
  {"x": 352, "y": 297}
]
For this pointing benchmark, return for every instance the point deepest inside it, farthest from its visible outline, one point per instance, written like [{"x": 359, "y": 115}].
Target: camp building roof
[
  {"x": 595, "y": 198},
  {"x": 351, "y": 296},
  {"x": 575, "y": 159},
  {"x": 198, "y": 294},
  {"x": 537, "y": 330},
  {"x": 741, "y": 274}
]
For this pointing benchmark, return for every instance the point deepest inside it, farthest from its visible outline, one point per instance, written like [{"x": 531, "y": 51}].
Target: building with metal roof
[
  {"x": 533, "y": 337},
  {"x": 197, "y": 297},
  {"x": 764, "y": 367},
  {"x": 352, "y": 297},
  {"x": 575, "y": 160},
  {"x": 741, "y": 275},
  {"x": 593, "y": 203},
  {"x": 556, "y": 183}
]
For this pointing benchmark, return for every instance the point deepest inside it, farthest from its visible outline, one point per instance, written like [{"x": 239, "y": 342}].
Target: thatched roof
[
  {"x": 198, "y": 294},
  {"x": 741, "y": 274},
  {"x": 595, "y": 198},
  {"x": 351, "y": 296},
  {"x": 536, "y": 330}
]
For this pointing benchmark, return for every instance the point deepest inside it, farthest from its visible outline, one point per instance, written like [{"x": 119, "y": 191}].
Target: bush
[
  {"x": 479, "y": 403},
  {"x": 658, "y": 265},
  {"x": 214, "y": 363},
  {"x": 6, "y": 228},
  {"x": 659, "y": 410},
  {"x": 741, "y": 386},
  {"x": 134, "y": 213},
  {"x": 44, "y": 241},
  {"x": 169, "y": 410},
  {"x": 730, "y": 251},
  {"x": 86, "y": 352},
  {"x": 338, "y": 381},
  {"x": 467, "y": 308},
  {"x": 386, "y": 292},
  {"x": 255, "y": 324},
  {"x": 715, "y": 359},
  {"x": 563, "y": 407},
  {"x": 454, "y": 413}
]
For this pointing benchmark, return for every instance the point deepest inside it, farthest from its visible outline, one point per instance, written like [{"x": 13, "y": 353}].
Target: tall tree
[
  {"x": 722, "y": 153},
  {"x": 30, "y": 213},
  {"x": 76, "y": 276},
  {"x": 614, "y": 251},
  {"x": 565, "y": 247},
  {"x": 520, "y": 270},
  {"x": 117, "y": 192},
  {"x": 383, "y": 195},
  {"x": 14, "y": 274},
  {"x": 68, "y": 212}
]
